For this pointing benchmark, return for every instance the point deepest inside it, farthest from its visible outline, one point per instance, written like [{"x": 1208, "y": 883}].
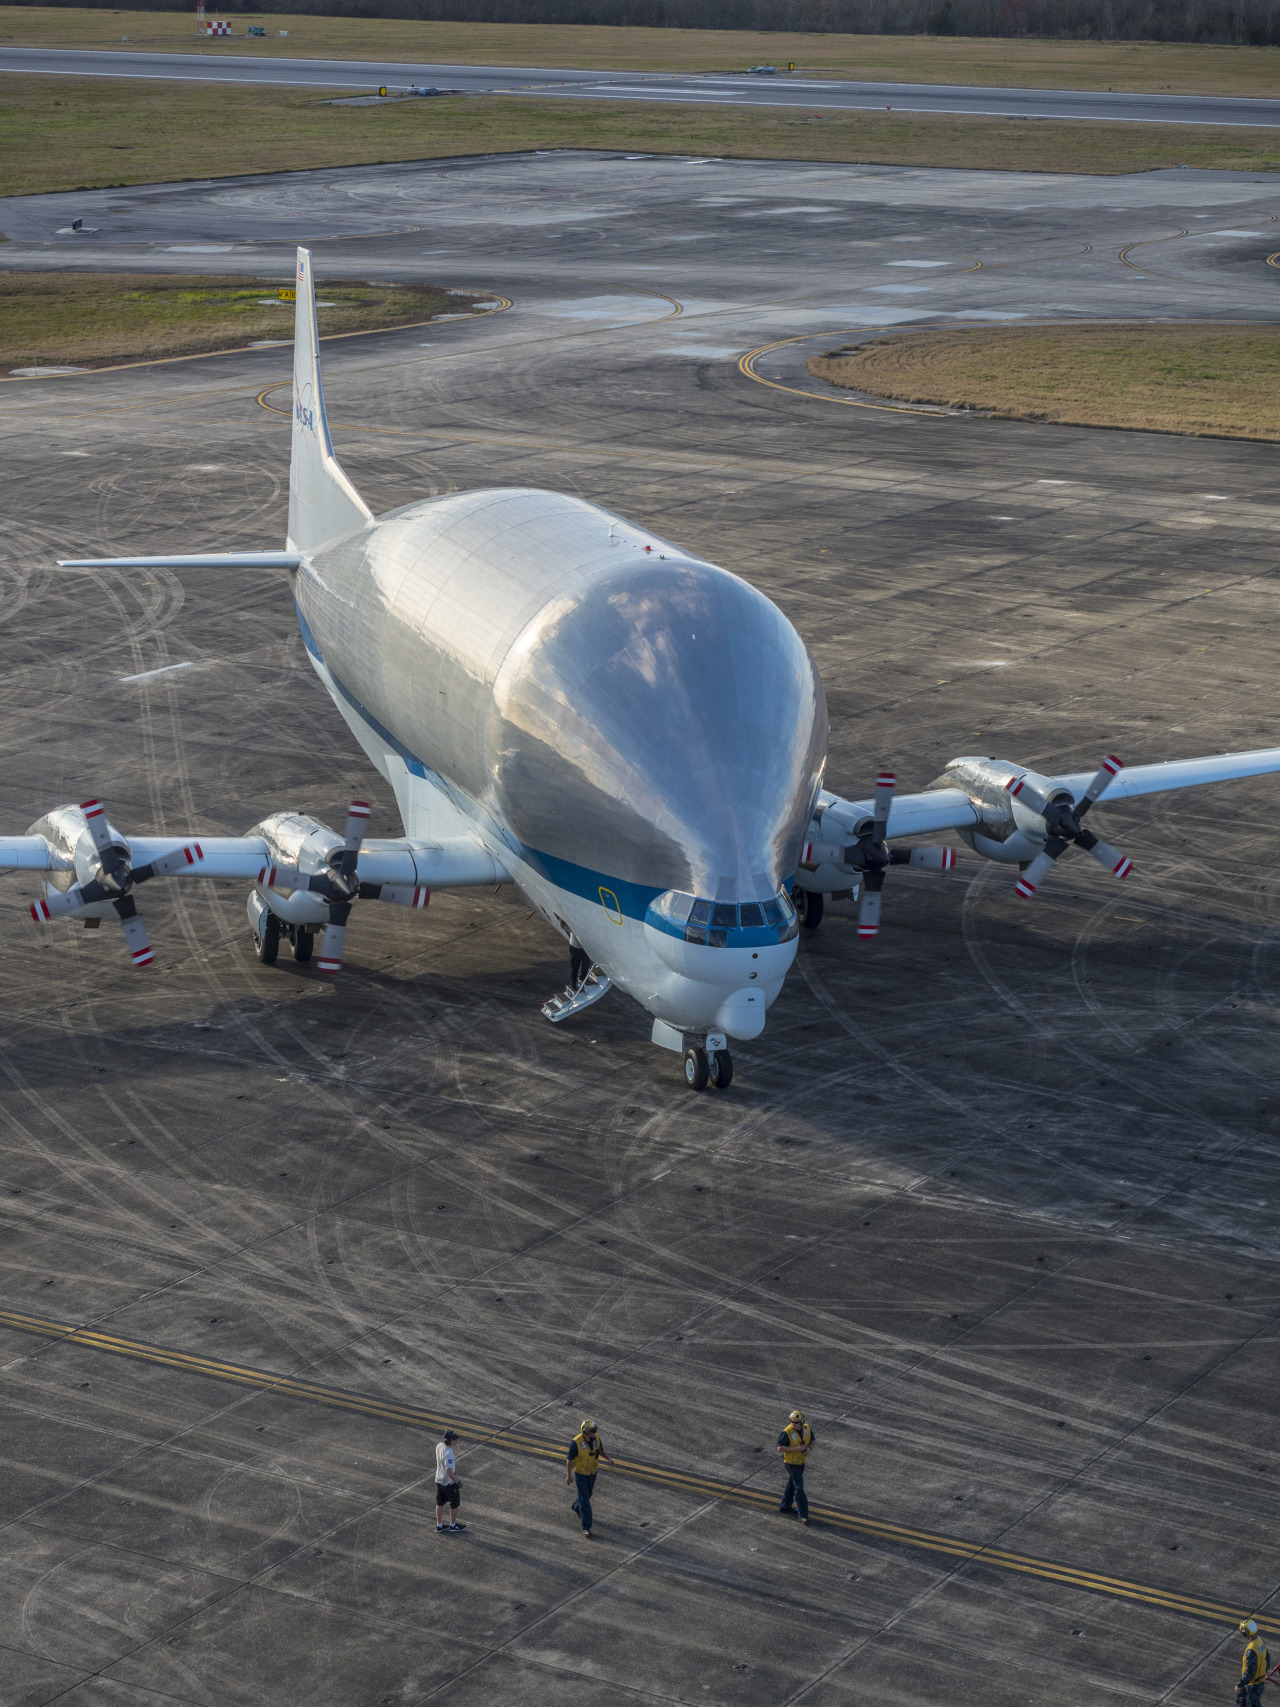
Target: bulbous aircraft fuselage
[{"x": 636, "y": 734}]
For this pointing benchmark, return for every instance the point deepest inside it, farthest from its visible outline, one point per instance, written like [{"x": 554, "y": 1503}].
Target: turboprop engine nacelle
[{"x": 1007, "y": 830}]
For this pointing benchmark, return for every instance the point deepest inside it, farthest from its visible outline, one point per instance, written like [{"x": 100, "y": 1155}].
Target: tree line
[{"x": 1228, "y": 22}]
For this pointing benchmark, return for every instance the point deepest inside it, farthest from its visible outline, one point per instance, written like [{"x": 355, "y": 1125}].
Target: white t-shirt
[{"x": 446, "y": 1465}]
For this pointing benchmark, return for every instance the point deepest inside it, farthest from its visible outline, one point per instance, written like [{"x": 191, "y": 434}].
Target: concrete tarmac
[
  {"x": 364, "y": 76},
  {"x": 991, "y": 1199}
]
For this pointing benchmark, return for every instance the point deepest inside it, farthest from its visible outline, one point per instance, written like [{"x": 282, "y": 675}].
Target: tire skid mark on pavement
[{"x": 678, "y": 1481}]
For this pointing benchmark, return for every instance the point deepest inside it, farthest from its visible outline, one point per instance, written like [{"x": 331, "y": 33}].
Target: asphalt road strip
[{"x": 656, "y": 1475}]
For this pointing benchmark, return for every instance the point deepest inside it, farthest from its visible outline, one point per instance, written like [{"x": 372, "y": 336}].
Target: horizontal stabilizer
[{"x": 202, "y": 560}]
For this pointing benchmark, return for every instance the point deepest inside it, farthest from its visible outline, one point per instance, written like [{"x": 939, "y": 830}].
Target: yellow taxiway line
[{"x": 656, "y": 1475}]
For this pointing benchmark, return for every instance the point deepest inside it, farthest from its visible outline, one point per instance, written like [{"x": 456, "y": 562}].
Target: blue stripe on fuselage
[{"x": 632, "y": 899}]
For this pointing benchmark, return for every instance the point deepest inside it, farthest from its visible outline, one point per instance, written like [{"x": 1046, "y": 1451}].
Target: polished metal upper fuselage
[{"x": 600, "y": 700}]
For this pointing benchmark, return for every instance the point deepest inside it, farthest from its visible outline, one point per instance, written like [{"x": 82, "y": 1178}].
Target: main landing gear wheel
[
  {"x": 808, "y": 905},
  {"x": 303, "y": 943},
  {"x": 696, "y": 1070},
  {"x": 720, "y": 1069},
  {"x": 268, "y": 940}
]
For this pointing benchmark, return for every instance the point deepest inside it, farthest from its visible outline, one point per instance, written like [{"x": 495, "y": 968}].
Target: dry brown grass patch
[
  {"x": 1198, "y": 379},
  {"x": 92, "y": 319}
]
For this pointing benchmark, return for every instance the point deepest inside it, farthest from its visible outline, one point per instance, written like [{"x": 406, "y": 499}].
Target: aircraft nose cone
[{"x": 741, "y": 1015}]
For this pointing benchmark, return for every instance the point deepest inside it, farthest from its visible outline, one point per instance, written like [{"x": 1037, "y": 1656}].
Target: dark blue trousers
[
  {"x": 582, "y": 1505},
  {"x": 793, "y": 1494}
]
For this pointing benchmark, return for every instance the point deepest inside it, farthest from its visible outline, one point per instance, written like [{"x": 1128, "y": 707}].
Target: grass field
[
  {"x": 87, "y": 133},
  {"x": 1218, "y": 380},
  {"x": 1186, "y": 68},
  {"x": 54, "y": 320}
]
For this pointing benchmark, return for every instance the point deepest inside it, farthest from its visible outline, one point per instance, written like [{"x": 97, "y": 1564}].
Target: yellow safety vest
[
  {"x": 801, "y": 1439},
  {"x": 587, "y": 1456},
  {"x": 1259, "y": 1647}
]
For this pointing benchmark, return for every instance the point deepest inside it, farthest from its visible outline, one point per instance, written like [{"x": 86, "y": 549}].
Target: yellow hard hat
[
  {"x": 588, "y": 1425},
  {"x": 796, "y": 1417},
  {"x": 1249, "y": 1627}
]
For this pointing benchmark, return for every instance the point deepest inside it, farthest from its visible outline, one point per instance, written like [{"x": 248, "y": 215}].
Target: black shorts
[{"x": 448, "y": 1495}]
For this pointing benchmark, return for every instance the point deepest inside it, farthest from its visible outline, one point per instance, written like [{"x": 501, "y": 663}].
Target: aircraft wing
[
  {"x": 909, "y": 815},
  {"x": 1018, "y": 817},
  {"x": 29, "y": 853},
  {"x": 953, "y": 808},
  {"x": 1136, "y": 780}
]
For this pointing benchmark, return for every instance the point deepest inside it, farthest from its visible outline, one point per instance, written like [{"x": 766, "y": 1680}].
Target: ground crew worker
[
  {"x": 1254, "y": 1666},
  {"x": 448, "y": 1487},
  {"x": 795, "y": 1443},
  {"x": 585, "y": 1452}
]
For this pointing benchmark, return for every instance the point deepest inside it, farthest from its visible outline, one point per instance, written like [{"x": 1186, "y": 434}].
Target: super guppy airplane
[{"x": 564, "y": 701}]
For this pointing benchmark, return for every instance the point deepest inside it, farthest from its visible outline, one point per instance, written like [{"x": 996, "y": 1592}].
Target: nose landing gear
[
  {"x": 707, "y": 1060},
  {"x": 703, "y": 1067}
]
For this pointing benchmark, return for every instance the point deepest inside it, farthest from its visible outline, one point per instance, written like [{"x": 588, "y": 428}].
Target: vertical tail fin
[{"x": 323, "y": 504}]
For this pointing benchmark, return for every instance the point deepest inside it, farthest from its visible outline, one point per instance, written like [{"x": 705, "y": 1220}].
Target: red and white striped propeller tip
[
  {"x": 91, "y": 808},
  {"x": 40, "y": 912},
  {"x": 1025, "y": 889},
  {"x": 142, "y": 956},
  {"x": 865, "y": 931},
  {"x": 886, "y": 779},
  {"x": 1112, "y": 763},
  {"x": 330, "y": 968}
]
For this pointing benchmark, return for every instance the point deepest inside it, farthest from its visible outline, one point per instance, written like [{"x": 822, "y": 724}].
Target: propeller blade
[
  {"x": 869, "y": 906},
  {"x": 95, "y": 816},
  {"x": 1106, "y": 771},
  {"x": 135, "y": 936},
  {"x": 399, "y": 895},
  {"x": 924, "y": 859},
  {"x": 329, "y": 959},
  {"x": 284, "y": 877},
  {"x": 188, "y": 858},
  {"x": 1038, "y": 870},
  {"x": 886, "y": 782},
  {"x": 357, "y": 824},
  {"x": 1111, "y": 859},
  {"x": 58, "y": 904}
]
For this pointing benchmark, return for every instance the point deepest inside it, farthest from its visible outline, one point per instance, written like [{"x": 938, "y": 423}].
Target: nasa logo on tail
[{"x": 303, "y": 412}]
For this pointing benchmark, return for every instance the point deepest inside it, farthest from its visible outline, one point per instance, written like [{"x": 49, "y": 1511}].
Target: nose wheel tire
[
  {"x": 696, "y": 1069},
  {"x": 808, "y": 905},
  {"x": 268, "y": 940},
  {"x": 720, "y": 1069}
]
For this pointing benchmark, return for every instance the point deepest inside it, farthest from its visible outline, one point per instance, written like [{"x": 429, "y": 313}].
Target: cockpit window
[
  {"x": 722, "y": 924},
  {"x": 674, "y": 906}
]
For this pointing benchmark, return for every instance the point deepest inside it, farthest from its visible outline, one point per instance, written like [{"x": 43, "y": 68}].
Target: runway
[
  {"x": 783, "y": 89},
  {"x": 990, "y": 1199}
]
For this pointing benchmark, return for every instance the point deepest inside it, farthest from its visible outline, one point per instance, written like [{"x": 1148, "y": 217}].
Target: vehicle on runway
[{"x": 562, "y": 700}]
